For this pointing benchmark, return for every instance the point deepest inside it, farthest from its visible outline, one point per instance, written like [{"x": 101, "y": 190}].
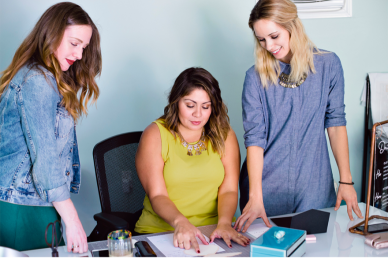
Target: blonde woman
[
  {"x": 291, "y": 95},
  {"x": 45, "y": 89},
  {"x": 188, "y": 163}
]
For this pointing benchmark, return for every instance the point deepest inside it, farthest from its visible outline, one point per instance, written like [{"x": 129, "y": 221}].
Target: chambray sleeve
[
  {"x": 253, "y": 114},
  {"x": 37, "y": 103},
  {"x": 335, "y": 109}
]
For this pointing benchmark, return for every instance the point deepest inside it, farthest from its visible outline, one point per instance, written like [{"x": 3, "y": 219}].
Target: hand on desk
[
  {"x": 253, "y": 210},
  {"x": 75, "y": 234},
  {"x": 349, "y": 195},
  {"x": 76, "y": 238},
  {"x": 184, "y": 236},
  {"x": 228, "y": 233}
]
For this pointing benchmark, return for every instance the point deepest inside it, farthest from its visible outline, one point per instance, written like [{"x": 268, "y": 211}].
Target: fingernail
[
  {"x": 198, "y": 251},
  {"x": 230, "y": 246}
]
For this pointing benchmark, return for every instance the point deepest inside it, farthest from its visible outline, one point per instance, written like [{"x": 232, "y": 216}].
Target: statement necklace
[
  {"x": 197, "y": 147},
  {"x": 284, "y": 80}
]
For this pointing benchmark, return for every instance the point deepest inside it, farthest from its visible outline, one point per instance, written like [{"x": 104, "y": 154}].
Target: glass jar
[{"x": 120, "y": 243}]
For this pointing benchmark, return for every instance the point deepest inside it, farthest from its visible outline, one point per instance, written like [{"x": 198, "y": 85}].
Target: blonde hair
[
  {"x": 218, "y": 126},
  {"x": 284, "y": 13},
  {"x": 39, "y": 47}
]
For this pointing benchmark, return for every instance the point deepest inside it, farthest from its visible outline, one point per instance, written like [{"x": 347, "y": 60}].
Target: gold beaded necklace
[
  {"x": 198, "y": 147},
  {"x": 285, "y": 81}
]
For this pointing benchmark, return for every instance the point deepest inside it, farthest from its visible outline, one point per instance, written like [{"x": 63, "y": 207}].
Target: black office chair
[{"x": 119, "y": 187}]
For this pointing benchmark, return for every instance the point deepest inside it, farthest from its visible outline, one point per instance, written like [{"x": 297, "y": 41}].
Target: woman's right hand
[
  {"x": 184, "y": 236},
  {"x": 253, "y": 209},
  {"x": 75, "y": 237},
  {"x": 75, "y": 234}
]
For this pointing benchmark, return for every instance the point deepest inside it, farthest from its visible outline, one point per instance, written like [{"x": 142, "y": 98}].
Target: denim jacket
[{"x": 39, "y": 161}]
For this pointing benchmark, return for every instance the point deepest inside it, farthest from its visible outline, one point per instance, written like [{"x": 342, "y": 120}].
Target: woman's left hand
[
  {"x": 349, "y": 195},
  {"x": 228, "y": 233}
]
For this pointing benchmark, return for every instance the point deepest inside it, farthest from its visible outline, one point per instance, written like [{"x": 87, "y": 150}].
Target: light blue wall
[{"x": 146, "y": 44}]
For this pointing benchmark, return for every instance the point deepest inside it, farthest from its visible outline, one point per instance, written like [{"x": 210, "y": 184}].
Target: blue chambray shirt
[
  {"x": 39, "y": 160},
  {"x": 289, "y": 124}
]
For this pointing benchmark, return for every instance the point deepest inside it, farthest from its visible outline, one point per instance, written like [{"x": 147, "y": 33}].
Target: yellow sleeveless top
[{"x": 192, "y": 184}]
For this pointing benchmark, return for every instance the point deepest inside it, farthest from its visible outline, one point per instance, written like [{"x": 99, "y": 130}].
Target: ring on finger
[{"x": 238, "y": 235}]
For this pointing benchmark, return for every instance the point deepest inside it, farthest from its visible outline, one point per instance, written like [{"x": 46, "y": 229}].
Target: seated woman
[{"x": 188, "y": 163}]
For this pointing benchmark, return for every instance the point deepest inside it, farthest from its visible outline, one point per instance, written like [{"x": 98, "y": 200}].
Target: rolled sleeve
[
  {"x": 335, "y": 109},
  {"x": 253, "y": 113},
  {"x": 37, "y": 103},
  {"x": 58, "y": 194}
]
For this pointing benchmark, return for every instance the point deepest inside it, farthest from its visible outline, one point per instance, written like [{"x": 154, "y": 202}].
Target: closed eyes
[{"x": 273, "y": 37}]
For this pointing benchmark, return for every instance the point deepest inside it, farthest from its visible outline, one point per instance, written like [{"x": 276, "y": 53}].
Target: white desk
[{"x": 338, "y": 241}]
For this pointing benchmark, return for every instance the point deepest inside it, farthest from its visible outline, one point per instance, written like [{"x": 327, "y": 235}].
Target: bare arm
[
  {"x": 75, "y": 233},
  {"x": 339, "y": 144},
  {"x": 228, "y": 191},
  {"x": 149, "y": 166},
  {"x": 255, "y": 161},
  {"x": 228, "y": 194}
]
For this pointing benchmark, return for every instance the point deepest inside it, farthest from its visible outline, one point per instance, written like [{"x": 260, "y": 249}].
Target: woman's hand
[
  {"x": 76, "y": 237},
  {"x": 252, "y": 211},
  {"x": 184, "y": 236},
  {"x": 339, "y": 144},
  {"x": 228, "y": 233},
  {"x": 75, "y": 234},
  {"x": 349, "y": 195}
]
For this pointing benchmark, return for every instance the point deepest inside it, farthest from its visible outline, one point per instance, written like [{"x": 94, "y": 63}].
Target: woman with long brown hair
[
  {"x": 43, "y": 92},
  {"x": 188, "y": 163},
  {"x": 291, "y": 95}
]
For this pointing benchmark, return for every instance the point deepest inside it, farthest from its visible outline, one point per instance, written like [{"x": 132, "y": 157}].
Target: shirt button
[
  {"x": 71, "y": 149},
  {"x": 68, "y": 173}
]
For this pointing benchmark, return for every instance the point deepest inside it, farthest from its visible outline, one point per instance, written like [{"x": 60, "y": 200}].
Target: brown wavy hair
[
  {"x": 284, "y": 13},
  {"x": 218, "y": 126},
  {"x": 38, "y": 50}
]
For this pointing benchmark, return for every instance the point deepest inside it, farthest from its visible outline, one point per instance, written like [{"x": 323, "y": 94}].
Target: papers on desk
[
  {"x": 257, "y": 230},
  {"x": 165, "y": 245}
]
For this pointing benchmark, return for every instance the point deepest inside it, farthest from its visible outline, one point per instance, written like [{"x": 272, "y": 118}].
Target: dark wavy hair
[
  {"x": 39, "y": 47},
  {"x": 218, "y": 126}
]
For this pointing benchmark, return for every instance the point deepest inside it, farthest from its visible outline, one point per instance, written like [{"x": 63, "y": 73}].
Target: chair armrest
[{"x": 111, "y": 221}]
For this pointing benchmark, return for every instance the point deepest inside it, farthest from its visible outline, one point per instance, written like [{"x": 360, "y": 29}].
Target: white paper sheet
[
  {"x": 205, "y": 250},
  {"x": 165, "y": 245},
  {"x": 257, "y": 230},
  {"x": 224, "y": 254}
]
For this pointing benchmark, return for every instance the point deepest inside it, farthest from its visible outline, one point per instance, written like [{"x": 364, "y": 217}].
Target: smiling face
[
  {"x": 274, "y": 38},
  {"x": 75, "y": 39},
  {"x": 194, "y": 110}
]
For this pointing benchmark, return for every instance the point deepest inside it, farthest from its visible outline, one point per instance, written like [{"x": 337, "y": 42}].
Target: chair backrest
[{"x": 119, "y": 186}]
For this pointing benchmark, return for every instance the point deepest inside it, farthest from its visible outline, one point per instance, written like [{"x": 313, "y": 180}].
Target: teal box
[{"x": 292, "y": 244}]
